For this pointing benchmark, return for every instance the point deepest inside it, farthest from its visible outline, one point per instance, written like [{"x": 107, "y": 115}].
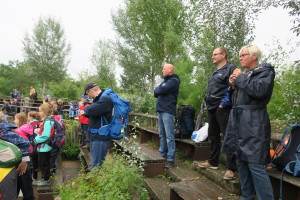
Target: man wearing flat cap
[{"x": 99, "y": 114}]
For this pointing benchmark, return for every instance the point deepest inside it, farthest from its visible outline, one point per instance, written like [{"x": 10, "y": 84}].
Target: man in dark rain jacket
[
  {"x": 101, "y": 108},
  {"x": 218, "y": 106},
  {"x": 166, "y": 94},
  {"x": 248, "y": 130}
]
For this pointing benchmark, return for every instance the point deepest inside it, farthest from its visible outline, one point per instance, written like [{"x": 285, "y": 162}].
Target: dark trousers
[
  {"x": 35, "y": 164},
  {"x": 85, "y": 133},
  {"x": 44, "y": 158},
  {"x": 217, "y": 121},
  {"x": 25, "y": 184}
]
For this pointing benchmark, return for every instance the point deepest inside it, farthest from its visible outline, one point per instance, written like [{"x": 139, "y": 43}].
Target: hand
[
  {"x": 232, "y": 80},
  {"x": 220, "y": 106},
  {"x": 237, "y": 72},
  {"x": 81, "y": 112},
  {"x": 22, "y": 168}
]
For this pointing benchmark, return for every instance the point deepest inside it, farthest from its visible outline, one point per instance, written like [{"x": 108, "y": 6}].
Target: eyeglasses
[
  {"x": 215, "y": 54},
  {"x": 243, "y": 55}
]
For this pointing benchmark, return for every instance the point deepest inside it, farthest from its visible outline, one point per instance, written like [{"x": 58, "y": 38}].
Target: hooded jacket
[
  {"x": 248, "y": 130},
  {"x": 13, "y": 137},
  {"x": 102, "y": 106},
  {"x": 166, "y": 94}
]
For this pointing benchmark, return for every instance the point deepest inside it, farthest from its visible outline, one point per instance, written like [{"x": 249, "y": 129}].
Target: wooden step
[
  {"x": 154, "y": 164},
  {"x": 216, "y": 176},
  {"x": 158, "y": 188}
]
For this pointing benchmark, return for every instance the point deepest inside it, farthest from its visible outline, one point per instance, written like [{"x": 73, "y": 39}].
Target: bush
[
  {"x": 117, "y": 179},
  {"x": 70, "y": 151}
]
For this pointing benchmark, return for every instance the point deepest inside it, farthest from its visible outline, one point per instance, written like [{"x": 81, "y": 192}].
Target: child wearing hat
[{"x": 84, "y": 121}]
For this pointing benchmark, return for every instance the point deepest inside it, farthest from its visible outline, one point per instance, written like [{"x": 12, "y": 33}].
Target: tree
[
  {"x": 215, "y": 23},
  {"x": 104, "y": 60},
  {"x": 47, "y": 51},
  {"x": 150, "y": 32},
  {"x": 294, "y": 10}
]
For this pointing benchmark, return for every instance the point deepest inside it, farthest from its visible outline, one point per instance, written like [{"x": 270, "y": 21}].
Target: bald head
[{"x": 168, "y": 70}]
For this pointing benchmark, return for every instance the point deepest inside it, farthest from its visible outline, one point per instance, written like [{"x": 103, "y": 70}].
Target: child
[
  {"x": 24, "y": 181},
  {"x": 5, "y": 108},
  {"x": 24, "y": 145},
  {"x": 34, "y": 119},
  {"x": 42, "y": 140},
  {"x": 72, "y": 110},
  {"x": 84, "y": 121},
  {"x": 60, "y": 107}
]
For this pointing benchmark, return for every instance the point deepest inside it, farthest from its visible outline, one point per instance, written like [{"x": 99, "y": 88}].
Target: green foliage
[
  {"x": 47, "y": 51},
  {"x": 150, "y": 33},
  {"x": 118, "y": 178},
  {"x": 70, "y": 151},
  {"x": 104, "y": 60}
]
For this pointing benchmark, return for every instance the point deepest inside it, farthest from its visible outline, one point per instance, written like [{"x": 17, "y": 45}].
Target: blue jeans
[
  {"x": 99, "y": 150},
  {"x": 167, "y": 136},
  {"x": 254, "y": 178}
]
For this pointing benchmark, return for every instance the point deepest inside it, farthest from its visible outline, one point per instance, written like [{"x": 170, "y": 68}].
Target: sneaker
[
  {"x": 169, "y": 164},
  {"x": 207, "y": 165},
  {"x": 86, "y": 146},
  {"x": 43, "y": 182},
  {"x": 228, "y": 175},
  {"x": 34, "y": 181}
]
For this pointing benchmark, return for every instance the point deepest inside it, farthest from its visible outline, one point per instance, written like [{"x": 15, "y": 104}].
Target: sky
[{"x": 88, "y": 21}]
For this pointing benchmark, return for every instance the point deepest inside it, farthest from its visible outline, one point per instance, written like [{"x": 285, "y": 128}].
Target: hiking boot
[
  {"x": 228, "y": 175},
  {"x": 43, "y": 182},
  {"x": 86, "y": 146},
  {"x": 207, "y": 165},
  {"x": 169, "y": 164}
]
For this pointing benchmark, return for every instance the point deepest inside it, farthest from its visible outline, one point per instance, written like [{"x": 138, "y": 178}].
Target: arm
[
  {"x": 256, "y": 87},
  {"x": 46, "y": 133},
  {"x": 167, "y": 87},
  {"x": 99, "y": 108}
]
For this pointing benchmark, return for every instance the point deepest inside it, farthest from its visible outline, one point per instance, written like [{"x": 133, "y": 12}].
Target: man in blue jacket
[
  {"x": 102, "y": 107},
  {"x": 218, "y": 107},
  {"x": 166, "y": 94},
  {"x": 248, "y": 131}
]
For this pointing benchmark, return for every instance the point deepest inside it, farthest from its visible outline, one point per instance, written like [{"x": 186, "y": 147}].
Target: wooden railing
[{"x": 144, "y": 119}]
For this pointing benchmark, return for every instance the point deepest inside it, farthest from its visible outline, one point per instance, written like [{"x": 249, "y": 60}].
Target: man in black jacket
[
  {"x": 99, "y": 114},
  {"x": 166, "y": 94},
  {"x": 218, "y": 106},
  {"x": 248, "y": 132}
]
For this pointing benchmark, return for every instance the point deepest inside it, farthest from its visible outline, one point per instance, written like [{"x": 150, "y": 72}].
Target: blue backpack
[
  {"x": 117, "y": 127},
  {"x": 287, "y": 156}
]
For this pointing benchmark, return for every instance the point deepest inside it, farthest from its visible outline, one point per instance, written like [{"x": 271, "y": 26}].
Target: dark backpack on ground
[
  {"x": 184, "y": 122},
  {"x": 287, "y": 156}
]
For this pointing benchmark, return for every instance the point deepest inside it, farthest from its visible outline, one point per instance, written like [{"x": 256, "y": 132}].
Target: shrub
[{"x": 70, "y": 151}]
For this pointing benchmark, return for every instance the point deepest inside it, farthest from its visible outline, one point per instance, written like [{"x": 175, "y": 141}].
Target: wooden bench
[
  {"x": 195, "y": 151},
  {"x": 154, "y": 164}
]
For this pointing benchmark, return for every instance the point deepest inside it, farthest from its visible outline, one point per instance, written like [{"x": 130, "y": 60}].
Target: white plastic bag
[{"x": 201, "y": 134}]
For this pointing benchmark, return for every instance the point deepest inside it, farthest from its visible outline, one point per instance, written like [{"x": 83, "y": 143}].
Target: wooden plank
[
  {"x": 146, "y": 155},
  {"x": 193, "y": 190},
  {"x": 87, "y": 156},
  {"x": 286, "y": 177}
]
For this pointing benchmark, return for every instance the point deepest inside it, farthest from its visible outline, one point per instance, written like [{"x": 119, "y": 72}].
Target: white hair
[{"x": 253, "y": 49}]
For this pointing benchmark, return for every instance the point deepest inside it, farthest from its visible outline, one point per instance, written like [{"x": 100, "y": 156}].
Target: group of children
[
  {"x": 31, "y": 133},
  {"x": 34, "y": 130}
]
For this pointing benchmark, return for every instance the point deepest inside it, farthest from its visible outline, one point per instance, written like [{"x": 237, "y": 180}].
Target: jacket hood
[
  {"x": 7, "y": 125},
  {"x": 263, "y": 67}
]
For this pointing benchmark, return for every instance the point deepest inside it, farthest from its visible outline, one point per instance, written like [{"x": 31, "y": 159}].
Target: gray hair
[{"x": 253, "y": 49}]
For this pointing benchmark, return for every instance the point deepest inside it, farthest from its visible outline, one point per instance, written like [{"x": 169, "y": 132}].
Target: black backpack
[{"x": 184, "y": 122}]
